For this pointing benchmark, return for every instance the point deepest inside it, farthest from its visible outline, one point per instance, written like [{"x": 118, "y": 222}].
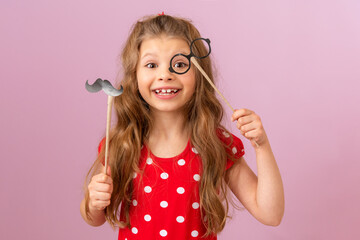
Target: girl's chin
[{"x": 166, "y": 109}]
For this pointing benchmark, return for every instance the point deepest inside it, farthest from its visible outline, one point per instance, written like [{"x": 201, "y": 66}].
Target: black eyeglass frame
[{"x": 190, "y": 55}]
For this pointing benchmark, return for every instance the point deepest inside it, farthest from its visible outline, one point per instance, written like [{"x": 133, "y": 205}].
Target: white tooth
[
  {"x": 175, "y": 90},
  {"x": 164, "y": 91},
  {"x": 157, "y": 91},
  {"x": 169, "y": 90}
]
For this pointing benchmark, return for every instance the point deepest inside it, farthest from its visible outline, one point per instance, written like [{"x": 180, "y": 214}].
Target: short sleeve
[
  {"x": 238, "y": 150},
  {"x": 101, "y": 144},
  {"x": 236, "y": 147}
]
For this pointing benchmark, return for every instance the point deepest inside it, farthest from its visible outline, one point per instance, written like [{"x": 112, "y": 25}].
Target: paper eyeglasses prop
[
  {"x": 181, "y": 63},
  {"x": 112, "y": 92}
]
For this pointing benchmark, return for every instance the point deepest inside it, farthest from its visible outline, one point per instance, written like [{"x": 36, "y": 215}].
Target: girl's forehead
[
  {"x": 164, "y": 37},
  {"x": 163, "y": 43}
]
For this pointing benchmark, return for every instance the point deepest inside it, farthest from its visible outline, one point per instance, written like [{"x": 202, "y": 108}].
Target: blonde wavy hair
[{"x": 204, "y": 114}]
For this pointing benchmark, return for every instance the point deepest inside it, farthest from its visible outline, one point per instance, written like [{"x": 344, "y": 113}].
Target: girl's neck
[
  {"x": 168, "y": 126},
  {"x": 169, "y": 134}
]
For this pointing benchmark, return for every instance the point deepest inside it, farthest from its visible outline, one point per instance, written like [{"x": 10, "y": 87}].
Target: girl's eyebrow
[
  {"x": 183, "y": 52},
  {"x": 148, "y": 54}
]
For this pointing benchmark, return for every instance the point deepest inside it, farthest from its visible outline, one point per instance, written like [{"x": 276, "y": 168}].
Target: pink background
[{"x": 295, "y": 63}]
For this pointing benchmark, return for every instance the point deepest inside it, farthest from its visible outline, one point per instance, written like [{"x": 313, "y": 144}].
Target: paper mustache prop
[
  {"x": 105, "y": 85},
  {"x": 112, "y": 92}
]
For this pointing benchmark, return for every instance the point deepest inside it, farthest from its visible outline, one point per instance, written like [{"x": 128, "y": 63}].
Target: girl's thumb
[{"x": 108, "y": 172}]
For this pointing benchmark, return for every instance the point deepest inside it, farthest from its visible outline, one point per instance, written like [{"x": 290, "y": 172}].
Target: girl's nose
[{"x": 165, "y": 74}]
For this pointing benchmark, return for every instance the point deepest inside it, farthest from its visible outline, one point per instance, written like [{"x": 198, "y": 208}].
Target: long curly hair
[{"x": 134, "y": 123}]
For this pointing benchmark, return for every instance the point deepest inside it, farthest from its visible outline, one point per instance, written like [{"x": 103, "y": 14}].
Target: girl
[{"x": 170, "y": 159}]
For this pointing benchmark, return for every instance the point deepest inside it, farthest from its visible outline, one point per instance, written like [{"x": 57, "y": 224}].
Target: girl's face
[{"x": 162, "y": 90}]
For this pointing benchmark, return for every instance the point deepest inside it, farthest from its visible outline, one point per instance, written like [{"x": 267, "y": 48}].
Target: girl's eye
[
  {"x": 151, "y": 65},
  {"x": 180, "y": 65}
]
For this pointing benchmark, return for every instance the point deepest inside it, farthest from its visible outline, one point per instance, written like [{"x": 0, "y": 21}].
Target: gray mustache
[{"x": 104, "y": 85}]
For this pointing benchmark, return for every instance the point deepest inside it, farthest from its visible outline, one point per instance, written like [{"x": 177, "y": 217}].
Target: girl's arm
[
  {"x": 262, "y": 195},
  {"x": 97, "y": 216}
]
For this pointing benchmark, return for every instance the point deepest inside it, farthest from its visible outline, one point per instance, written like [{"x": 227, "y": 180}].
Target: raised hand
[{"x": 250, "y": 126}]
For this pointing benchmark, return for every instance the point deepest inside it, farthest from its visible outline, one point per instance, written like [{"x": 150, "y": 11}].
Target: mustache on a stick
[
  {"x": 104, "y": 85},
  {"x": 112, "y": 92}
]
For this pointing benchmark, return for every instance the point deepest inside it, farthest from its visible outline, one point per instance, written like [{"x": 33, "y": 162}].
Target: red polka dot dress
[{"x": 166, "y": 203}]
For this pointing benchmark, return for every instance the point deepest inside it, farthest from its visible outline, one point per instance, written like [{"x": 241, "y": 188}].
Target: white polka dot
[
  {"x": 180, "y": 219},
  {"x": 234, "y": 150},
  {"x": 194, "y": 233},
  {"x": 164, "y": 175},
  {"x": 226, "y": 134},
  {"x": 195, "y": 205},
  {"x": 180, "y": 190},
  {"x": 134, "y": 202},
  {"x": 147, "y": 217},
  {"x": 197, "y": 177},
  {"x": 181, "y": 162},
  {"x": 194, "y": 150},
  {"x": 242, "y": 150},
  {"x": 163, "y": 233},
  {"x": 147, "y": 189},
  {"x": 149, "y": 161},
  {"x": 135, "y": 174},
  {"x": 134, "y": 230},
  {"x": 164, "y": 204}
]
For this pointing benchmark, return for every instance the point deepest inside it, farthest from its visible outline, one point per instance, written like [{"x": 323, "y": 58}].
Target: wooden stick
[
  {"x": 208, "y": 79},
  {"x": 108, "y": 121},
  {"x": 193, "y": 60}
]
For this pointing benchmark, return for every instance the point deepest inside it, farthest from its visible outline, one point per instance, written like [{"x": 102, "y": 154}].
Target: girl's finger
[
  {"x": 245, "y": 120},
  {"x": 248, "y": 127},
  {"x": 103, "y": 178},
  {"x": 251, "y": 134},
  {"x": 106, "y": 188},
  {"x": 239, "y": 113},
  {"x": 102, "y": 196},
  {"x": 101, "y": 205}
]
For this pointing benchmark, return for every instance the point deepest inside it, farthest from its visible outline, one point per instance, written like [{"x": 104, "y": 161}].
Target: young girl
[{"x": 170, "y": 159}]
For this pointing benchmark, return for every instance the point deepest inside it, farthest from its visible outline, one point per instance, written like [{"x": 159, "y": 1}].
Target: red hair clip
[{"x": 160, "y": 14}]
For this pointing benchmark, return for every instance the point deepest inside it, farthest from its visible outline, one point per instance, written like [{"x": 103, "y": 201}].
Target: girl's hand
[
  {"x": 250, "y": 126},
  {"x": 100, "y": 190}
]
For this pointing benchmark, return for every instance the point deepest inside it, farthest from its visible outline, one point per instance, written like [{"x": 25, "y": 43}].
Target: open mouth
[{"x": 166, "y": 91}]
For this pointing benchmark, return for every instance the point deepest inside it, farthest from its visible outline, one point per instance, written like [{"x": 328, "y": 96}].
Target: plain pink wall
[{"x": 295, "y": 63}]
